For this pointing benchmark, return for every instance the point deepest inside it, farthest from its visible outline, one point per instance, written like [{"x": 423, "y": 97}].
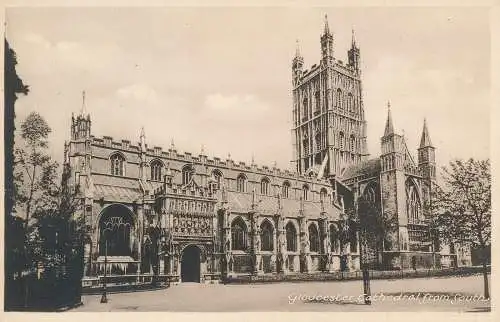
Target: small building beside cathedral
[{"x": 150, "y": 210}]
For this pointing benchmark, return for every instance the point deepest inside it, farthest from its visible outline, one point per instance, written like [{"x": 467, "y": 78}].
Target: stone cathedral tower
[{"x": 329, "y": 127}]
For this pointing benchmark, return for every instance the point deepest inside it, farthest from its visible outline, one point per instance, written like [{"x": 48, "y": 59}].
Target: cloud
[{"x": 138, "y": 92}]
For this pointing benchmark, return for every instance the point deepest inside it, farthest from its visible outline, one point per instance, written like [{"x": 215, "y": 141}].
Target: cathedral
[{"x": 191, "y": 218}]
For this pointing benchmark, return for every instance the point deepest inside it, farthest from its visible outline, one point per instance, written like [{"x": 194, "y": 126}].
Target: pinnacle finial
[
  {"x": 172, "y": 145},
  {"x": 84, "y": 108},
  {"x": 202, "y": 149},
  {"x": 143, "y": 140},
  {"x": 425, "y": 140},
  {"x": 389, "y": 128},
  {"x": 353, "y": 40},
  {"x": 327, "y": 28},
  {"x": 297, "y": 48}
]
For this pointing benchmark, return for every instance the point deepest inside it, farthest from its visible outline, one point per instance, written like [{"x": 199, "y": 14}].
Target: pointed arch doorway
[{"x": 190, "y": 264}]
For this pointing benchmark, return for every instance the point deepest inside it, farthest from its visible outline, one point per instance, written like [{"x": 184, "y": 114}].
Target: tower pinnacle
[
  {"x": 297, "y": 49},
  {"x": 425, "y": 139},
  {"x": 84, "y": 108},
  {"x": 389, "y": 127},
  {"x": 353, "y": 40},
  {"x": 327, "y": 28}
]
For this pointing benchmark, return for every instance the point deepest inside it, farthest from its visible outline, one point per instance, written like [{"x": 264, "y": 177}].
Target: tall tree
[
  {"x": 462, "y": 207},
  {"x": 13, "y": 245}
]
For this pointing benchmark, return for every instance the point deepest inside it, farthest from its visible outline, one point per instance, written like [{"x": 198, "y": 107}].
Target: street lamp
[{"x": 110, "y": 226}]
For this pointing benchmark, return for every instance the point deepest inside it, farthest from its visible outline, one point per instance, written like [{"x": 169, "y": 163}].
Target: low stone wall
[{"x": 354, "y": 275}]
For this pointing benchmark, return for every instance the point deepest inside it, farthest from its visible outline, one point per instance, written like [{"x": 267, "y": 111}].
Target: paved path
[{"x": 423, "y": 294}]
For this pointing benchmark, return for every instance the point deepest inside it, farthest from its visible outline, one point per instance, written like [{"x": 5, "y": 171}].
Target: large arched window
[
  {"x": 341, "y": 141},
  {"x": 241, "y": 183},
  {"x": 370, "y": 193},
  {"x": 217, "y": 177},
  {"x": 338, "y": 99},
  {"x": 323, "y": 193},
  {"x": 313, "y": 238},
  {"x": 306, "y": 109},
  {"x": 156, "y": 167},
  {"x": 352, "y": 143},
  {"x": 115, "y": 226},
  {"x": 117, "y": 164},
  {"x": 291, "y": 237},
  {"x": 350, "y": 102},
  {"x": 264, "y": 186},
  {"x": 238, "y": 234},
  {"x": 413, "y": 206},
  {"x": 187, "y": 174},
  {"x": 334, "y": 239},
  {"x": 318, "y": 100},
  {"x": 305, "y": 192},
  {"x": 266, "y": 236},
  {"x": 285, "y": 190}
]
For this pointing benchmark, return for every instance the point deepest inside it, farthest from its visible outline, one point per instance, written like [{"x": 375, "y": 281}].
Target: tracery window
[
  {"x": 341, "y": 140},
  {"x": 323, "y": 194},
  {"x": 266, "y": 236},
  {"x": 350, "y": 102},
  {"x": 187, "y": 174},
  {"x": 352, "y": 143},
  {"x": 306, "y": 110},
  {"x": 156, "y": 167},
  {"x": 117, "y": 164},
  {"x": 241, "y": 183},
  {"x": 305, "y": 192},
  {"x": 313, "y": 238},
  {"x": 413, "y": 206},
  {"x": 217, "y": 176},
  {"x": 318, "y": 100},
  {"x": 238, "y": 234},
  {"x": 285, "y": 189},
  {"x": 338, "y": 99},
  {"x": 264, "y": 186},
  {"x": 291, "y": 237}
]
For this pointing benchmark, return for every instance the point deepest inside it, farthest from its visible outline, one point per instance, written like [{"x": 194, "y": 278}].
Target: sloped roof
[
  {"x": 116, "y": 188},
  {"x": 370, "y": 167}
]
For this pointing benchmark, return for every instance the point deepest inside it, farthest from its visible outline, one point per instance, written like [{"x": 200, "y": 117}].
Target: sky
[{"x": 221, "y": 77}]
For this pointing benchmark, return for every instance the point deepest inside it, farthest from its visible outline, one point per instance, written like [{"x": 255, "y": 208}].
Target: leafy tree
[{"x": 462, "y": 207}]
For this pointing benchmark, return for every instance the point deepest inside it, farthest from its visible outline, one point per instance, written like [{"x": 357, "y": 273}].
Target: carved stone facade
[{"x": 194, "y": 218}]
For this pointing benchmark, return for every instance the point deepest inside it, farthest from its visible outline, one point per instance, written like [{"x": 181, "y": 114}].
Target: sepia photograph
[{"x": 247, "y": 159}]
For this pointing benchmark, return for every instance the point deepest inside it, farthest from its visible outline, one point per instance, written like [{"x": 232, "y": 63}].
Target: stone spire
[
  {"x": 353, "y": 39},
  {"x": 389, "y": 127},
  {"x": 297, "y": 49},
  {"x": 425, "y": 141}
]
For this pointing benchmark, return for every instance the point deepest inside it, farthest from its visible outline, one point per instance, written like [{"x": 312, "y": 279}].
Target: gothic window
[
  {"x": 187, "y": 174},
  {"x": 241, "y": 183},
  {"x": 285, "y": 189},
  {"x": 264, "y": 186},
  {"x": 318, "y": 101},
  {"x": 370, "y": 193},
  {"x": 338, "y": 98},
  {"x": 117, "y": 164},
  {"x": 350, "y": 102},
  {"x": 217, "y": 176},
  {"x": 114, "y": 230},
  {"x": 156, "y": 167},
  {"x": 313, "y": 238},
  {"x": 413, "y": 207},
  {"x": 238, "y": 234},
  {"x": 323, "y": 194},
  {"x": 334, "y": 239},
  {"x": 318, "y": 141},
  {"x": 291, "y": 237},
  {"x": 341, "y": 141},
  {"x": 305, "y": 192},
  {"x": 306, "y": 146},
  {"x": 352, "y": 143},
  {"x": 266, "y": 236},
  {"x": 305, "y": 107}
]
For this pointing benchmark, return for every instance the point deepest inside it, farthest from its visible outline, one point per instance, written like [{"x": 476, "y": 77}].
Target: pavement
[{"x": 442, "y": 294}]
